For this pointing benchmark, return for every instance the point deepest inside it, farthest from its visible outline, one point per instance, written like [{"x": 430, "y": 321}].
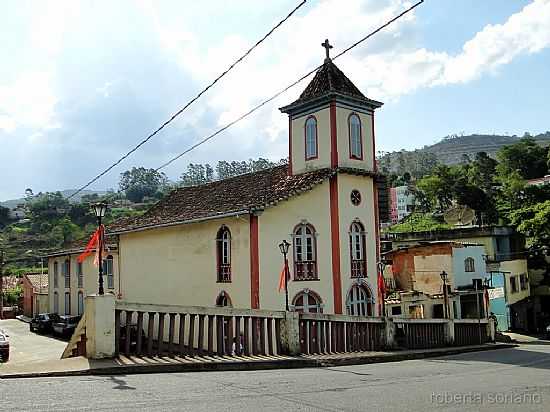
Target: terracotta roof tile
[
  {"x": 38, "y": 281},
  {"x": 329, "y": 78},
  {"x": 244, "y": 193}
]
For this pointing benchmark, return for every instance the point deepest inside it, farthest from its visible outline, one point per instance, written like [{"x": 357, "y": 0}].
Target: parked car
[
  {"x": 66, "y": 325},
  {"x": 43, "y": 322},
  {"x": 547, "y": 333},
  {"x": 4, "y": 347}
]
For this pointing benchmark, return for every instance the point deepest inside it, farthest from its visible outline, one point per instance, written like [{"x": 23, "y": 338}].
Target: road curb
[{"x": 293, "y": 363}]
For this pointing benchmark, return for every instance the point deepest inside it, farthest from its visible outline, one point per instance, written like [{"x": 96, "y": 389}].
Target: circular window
[{"x": 355, "y": 197}]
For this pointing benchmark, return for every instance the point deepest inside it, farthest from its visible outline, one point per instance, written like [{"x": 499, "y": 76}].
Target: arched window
[
  {"x": 311, "y": 138},
  {"x": 80, "y": 303},
  {"x": 80, "y": 274},
  {"x": 67, "y": 272},
  {"x": 355, "y": 140},
  {"x": 307, "y": 301},
  {"x": 359, "y": 301},
  {"x": 357, "y": 242},
  {"x": 305, "y": 252},
  {"x": 55, "y": 275},
  {"x": 108, "y": 271},
  {"x": 224, "y": 254},
  {"x": 67, "y": 303},
  {"x": 469, "y": 265},
  {"x": 223, "y": 300},
  {"x": 55, "y": 302}
]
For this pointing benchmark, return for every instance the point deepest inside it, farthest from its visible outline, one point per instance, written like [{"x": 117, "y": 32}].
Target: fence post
[
  {"x": 449, "y": 332},
  {"x": 491, "y": 330},
  {"x": 389, "y": 333},
  {"x": 100, "y": 326},
  {"x": 290, "y": 333}
]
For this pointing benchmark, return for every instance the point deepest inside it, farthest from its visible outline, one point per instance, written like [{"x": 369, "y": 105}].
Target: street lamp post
[
  {"x": 381, "y": 266},
  {"x": 100, "y": 209},
  {"x": 444, "y": 277},
  {"x": 283, "y": 247}
]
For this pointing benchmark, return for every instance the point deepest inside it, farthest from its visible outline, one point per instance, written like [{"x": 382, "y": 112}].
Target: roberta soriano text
[{"x": 485, "y": 398}]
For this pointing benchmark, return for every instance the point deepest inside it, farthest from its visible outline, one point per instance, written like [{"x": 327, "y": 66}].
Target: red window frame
[
  {"x": 358, "y": 266},
  {"x": 316, "y": 139},
  {"x": 351, "y": 156},
  {"x": 223, "y": 269},
  {"x": 305, "y": 269}
]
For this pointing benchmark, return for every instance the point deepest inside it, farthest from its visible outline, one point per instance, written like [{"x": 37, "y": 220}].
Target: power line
[
  {"x": 263, "y": 103},
  {"x": 180, "y": 111}
]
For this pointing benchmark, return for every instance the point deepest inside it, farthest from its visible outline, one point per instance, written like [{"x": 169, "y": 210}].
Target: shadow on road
[{"x": 121, "y": 384}]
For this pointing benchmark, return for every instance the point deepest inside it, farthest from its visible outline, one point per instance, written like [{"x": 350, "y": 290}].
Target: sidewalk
[
  {"x": 23, "y": 318},
  {"x": 132, "y": 365}
]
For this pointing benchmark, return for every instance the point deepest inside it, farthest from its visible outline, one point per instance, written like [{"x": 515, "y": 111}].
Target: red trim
[
  {"x": 316, "y": 139},
  {"x": 254, "y": 264},
  {"x": 333, "y": 136},
  {"x": 374, "y": 165},
  {"x": 335, "y": 238},
  {"x": 360, "y": 136},
  {"x": 289, "y": 146}
]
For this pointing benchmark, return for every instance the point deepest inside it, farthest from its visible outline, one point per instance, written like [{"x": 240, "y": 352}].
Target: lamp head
[
  {"x": 283, "y": 247},
  {"x": 100, "y": 209}
]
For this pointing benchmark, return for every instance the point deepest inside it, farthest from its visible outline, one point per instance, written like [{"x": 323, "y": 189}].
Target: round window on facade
[{"x": 355, "y": 197}]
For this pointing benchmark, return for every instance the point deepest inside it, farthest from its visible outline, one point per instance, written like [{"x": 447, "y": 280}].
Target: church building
[{"x": 217, "y": 243}]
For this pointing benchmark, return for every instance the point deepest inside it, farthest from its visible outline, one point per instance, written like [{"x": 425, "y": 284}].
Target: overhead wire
[{"x": 189, "y": 103}]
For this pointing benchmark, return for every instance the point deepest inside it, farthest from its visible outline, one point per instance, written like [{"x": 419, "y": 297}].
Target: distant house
[
  {"x": 506, "y": 270},
  {"x": 69, "y": 282},
  {"x": 541, "y": 181},
  {"x": 416, "y": 272},
  {"x": 401, "y": 203},
  {"x": 17, "y": 213},
  {"x": 35, "y": 294}
]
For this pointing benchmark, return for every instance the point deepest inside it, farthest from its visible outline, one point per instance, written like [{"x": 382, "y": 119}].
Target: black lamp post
[
  {"x": 444, "y": 278},
  {"x": 283, "y": 246},
  {"x": 100, "y": 209}
]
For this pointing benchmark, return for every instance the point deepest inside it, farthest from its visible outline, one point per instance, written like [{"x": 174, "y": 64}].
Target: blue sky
[{"x": 82, "y": 81}]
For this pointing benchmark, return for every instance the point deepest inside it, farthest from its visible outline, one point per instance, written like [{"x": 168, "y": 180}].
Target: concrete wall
[
  {"x": 516, "y": 267},
  {"x": 278, "y": 223},
  {"x": 299, "y": 164},
  {"x": 89, "y": 282},
  {"x": 178, "y": 265},
  {"x": 342, "y": 132},
  {"x": 460, "y": 254},
  {"x": 365, "y": 214}
]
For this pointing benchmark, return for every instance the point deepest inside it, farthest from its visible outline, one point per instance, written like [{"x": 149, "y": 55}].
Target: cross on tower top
[{"x": 327, "y": 46}]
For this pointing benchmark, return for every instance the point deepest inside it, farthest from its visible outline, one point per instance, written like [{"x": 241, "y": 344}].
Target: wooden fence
[
  {"x": 470, "y": 332},
  {"x": 321, "y": 333},
  {"x": 420, "y": 333},
  {"x": 157, "y": 330}
]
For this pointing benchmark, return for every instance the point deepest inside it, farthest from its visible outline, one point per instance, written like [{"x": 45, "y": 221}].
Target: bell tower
[{"x": 331, "y": 125}]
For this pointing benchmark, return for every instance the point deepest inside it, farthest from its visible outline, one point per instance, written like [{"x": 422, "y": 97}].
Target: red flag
[
  {"x": 381, "y": 292},
  {"x": 282, "y": 277},
  {"x": 95, "y": 244},
  {"x": 90, "y": 247}
]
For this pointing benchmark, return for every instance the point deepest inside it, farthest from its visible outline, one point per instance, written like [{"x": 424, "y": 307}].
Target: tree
[
  {"x": 532, "y": 221},
  {"x": 482, "y": 172},
  {"x": 525, "y": 157},
  {"x": 4, "y": 216},
  {"x": 197, "y": 174},
  {"x": 48, "y": 206},
  {"x": 140, "y": 182}
]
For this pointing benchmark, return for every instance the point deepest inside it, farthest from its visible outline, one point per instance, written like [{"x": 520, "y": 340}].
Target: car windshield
[{"x": 2, "y": 338}]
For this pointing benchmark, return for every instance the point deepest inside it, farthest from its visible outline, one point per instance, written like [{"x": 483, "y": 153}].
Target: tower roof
[{"x": 329, "y": 80}]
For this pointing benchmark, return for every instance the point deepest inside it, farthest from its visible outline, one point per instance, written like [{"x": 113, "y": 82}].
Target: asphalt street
[
  {"x": 504, "y": 380},
  {"x": 26, "y": 346}
]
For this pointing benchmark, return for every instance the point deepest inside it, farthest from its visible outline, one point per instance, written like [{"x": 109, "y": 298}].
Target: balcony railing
[
  {"x": 224, "y": 273},
  {"x": 358, "y": 269},
  {"x": 305, "y": 270}
]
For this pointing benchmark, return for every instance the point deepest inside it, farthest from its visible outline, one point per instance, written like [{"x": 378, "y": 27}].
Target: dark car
[
  {"x": 66, "y": 325},
  {"x": 4, "y": 347},
  {"x": 43, "y": 322}
]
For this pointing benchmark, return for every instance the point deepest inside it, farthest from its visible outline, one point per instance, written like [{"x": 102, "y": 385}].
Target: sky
[{"x": 81, "y": 82}]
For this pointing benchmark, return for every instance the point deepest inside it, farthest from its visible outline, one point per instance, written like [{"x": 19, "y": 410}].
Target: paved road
[
  {"x": 503, "y": 380},
  {"x": 26, "y": 346}
]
